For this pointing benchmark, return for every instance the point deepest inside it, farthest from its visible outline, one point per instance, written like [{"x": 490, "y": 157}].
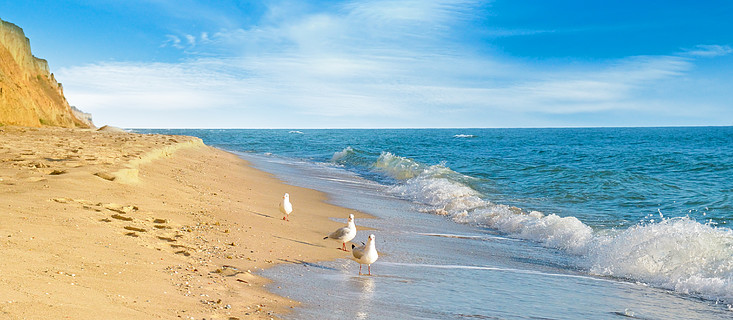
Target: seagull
[
  {"x": 365, "y": 254},
  {"x": 286, "y": 207},
  {"x": 344, "y": 234}
]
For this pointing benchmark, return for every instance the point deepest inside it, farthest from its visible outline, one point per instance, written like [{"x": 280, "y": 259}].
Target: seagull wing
[
  {"x": 358, "y": 252},
  {"x": 340, "y": 233}
]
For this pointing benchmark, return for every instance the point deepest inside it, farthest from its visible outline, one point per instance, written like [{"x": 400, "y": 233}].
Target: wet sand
[{"x": 127, "y": 226}]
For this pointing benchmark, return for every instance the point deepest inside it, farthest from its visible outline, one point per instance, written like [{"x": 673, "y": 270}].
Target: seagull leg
[
  {"x": 370, "y": 269},
  {"x": 360, "y": 269},
  {"x": 285, "y": 218},
  {"x": 343, "y": 246}
]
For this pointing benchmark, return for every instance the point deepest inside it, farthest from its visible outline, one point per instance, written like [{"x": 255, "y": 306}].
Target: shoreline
[{"x": 130, "y": 225}]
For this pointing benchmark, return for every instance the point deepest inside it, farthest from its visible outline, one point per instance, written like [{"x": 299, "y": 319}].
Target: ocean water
[{"x": 582, "y": 223}]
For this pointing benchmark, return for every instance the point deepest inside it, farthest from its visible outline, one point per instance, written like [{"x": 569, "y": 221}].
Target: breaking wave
[
  {"x": 342, "y": 154},
  {"x": 678, "y": 254}
]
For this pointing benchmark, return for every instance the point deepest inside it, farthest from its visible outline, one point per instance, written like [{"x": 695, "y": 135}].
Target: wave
[
  {"x": 398, "y": 167},
  {"x": 295, "y": 131},
  {"x": 353, "y": 158},
  {"x": 464, "y": 136},
  {"x": 342, "y": 154},
  {"x": 678, "y": 254}
]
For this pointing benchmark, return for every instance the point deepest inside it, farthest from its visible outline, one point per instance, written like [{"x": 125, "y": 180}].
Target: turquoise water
[{"x": 585, "y": 223}]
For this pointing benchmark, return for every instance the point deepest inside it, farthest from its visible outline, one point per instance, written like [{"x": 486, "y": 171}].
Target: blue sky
[{"x": 375, "y": 64}]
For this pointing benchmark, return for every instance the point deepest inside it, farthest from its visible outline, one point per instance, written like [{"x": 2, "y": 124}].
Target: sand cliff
[{"x": 29, "y": 93}]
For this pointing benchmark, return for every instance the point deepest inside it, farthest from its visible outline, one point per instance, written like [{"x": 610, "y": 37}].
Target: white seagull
[
  {"x": 286, "y": 207},
  {"x": 344, "y": 234},
  {"x": 365, "y": 254}
]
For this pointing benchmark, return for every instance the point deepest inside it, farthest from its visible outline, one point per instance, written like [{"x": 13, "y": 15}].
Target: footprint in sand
[
  {"x": 169, "y": 239},
  {"x": 183, "y": 252},
  {"x": 160, "y": 224},
  {"x": 106, "y": 176},
  {"x": 121, "y": 213},
  {"x": 135, "y": 229},
  {"x": 123, "y": 218},
  {"x": 120, "y": 208},
  {"x": 63, "y": 200}
]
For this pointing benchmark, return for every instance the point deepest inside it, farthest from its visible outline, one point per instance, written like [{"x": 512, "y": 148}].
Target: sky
[{"x": 387, "y": 64}]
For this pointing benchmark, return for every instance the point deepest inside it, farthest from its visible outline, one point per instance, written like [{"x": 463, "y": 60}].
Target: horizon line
[{"x": 409, "y": 128}]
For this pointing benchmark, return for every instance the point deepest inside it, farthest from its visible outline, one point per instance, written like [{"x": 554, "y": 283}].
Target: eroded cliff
[{"x": 29, "y": 93}]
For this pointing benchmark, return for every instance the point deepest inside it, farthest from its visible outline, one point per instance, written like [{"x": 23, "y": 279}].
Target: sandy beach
[{"x": 128, "y": 226}]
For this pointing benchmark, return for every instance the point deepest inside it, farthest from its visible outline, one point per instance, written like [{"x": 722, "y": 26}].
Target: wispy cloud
[
  {"x": 393, "y": 59},
  {"x": 709, "y": 51},
  {"x": 173, "y": 41}
]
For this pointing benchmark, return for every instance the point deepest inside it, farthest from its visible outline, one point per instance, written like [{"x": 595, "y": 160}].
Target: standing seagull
[
  {"x": 365, "y": 254},
  {"x": 285, "y": 206},
  {"x": 344, "y": 234}
]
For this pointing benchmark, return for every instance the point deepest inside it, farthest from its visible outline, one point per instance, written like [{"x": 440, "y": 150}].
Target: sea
[{"x": 546, "y": 223}]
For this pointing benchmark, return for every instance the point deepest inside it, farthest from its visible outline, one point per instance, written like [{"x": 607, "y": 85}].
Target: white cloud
[
  {"x": 172, "y": 41},
  {"x": 340, "y": 87},
  {"x": 709, "y": 51},
  {"x": 385, "y": 58},
  {"x": 191, "y": 40}
]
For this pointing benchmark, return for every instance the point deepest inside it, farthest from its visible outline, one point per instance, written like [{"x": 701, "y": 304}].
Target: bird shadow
[
  {"x": 308, "y": 264},
  {"x": 261, "y": 214},
  {"x": 299, "y": 241}
]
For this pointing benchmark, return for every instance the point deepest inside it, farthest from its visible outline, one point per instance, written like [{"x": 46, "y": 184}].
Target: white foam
[
  {"x": 442, "y": 191},
  {"x": 464, "y": 136},
  {"x": 443, "y": 194},
  {"x": 678, "y": 254},
  {"x": 566, "y": 233},
  {"x": 448, "y": 235},
  {"x": 341, "y": 154},
  {"x": 463, "y": 236},
  {"x": 487, "y": 268}
]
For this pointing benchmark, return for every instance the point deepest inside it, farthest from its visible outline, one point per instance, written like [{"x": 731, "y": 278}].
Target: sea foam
[
  {"x": 342, "y": 154},
  {"x": 678, "y": 254}
]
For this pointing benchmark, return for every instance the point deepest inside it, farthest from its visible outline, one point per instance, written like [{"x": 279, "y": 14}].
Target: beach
[
  {"x": 509, "y": 223},
  {"x": 138, "y": 226},
  {"x": 171, "y": 224},
  {"x": 499, "y": 160}
]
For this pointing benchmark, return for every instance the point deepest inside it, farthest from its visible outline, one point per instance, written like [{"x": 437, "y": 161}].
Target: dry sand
[{"x": 105, "y": 225}]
